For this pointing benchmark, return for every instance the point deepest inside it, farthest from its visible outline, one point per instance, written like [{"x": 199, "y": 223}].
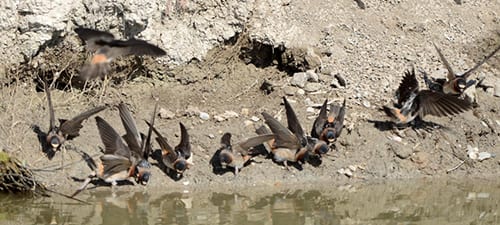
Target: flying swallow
[
  {"x": 454, "y": 83},
  {"x": 177, "y": 159},
  {"x": 67, "y": 129},
  {"x": 236, "y": 156},
  {"x": 105, "y": 48},
  {"x": 413, "y": 103},
  {"x": 327, "y": 127},
  {"x": 118, "y": 162}
]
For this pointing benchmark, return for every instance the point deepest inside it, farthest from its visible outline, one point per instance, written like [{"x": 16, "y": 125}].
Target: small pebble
[
  {"x": 254, "y": 118},
  {"x": 204, "y": 116},
  {"x": 366, "y": 103},
  {"x": 352, "y": 168},
  {"x": 310, "y": 110},
  {"x": 301, "y": 92},
  {"x": 312, "y": 87},
  {"x": 211, "y": 136},
  {"x": 248, "y": 123},
  {"x": 192, "y": 111},
  {"x": 290, "y": 91},
  {"x": 496, "y": 91}
]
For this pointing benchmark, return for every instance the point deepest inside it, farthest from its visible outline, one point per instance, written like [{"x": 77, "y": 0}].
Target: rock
[
  {"x": 308, "y": 102},
  {"x": 312, "y": 76},
  {"x": 211, "y": 136},
  {"x": 192, "y": 111},
  {"x": 335, "y": 83},
  {"x": 340, "y": 79},
  {"x": 485, "y": 155},
  {"x": 299, "y": 79},
  {"x": 346, "y": 172},
  {"x": 166, "y": 114},
  {"x": 248, "y": 123},
  {"x": 401, "y": 151},
  {"x": 312, "y": 58},
  {"x": 230, "y": 114},
  {"x": 496, "y": 91},
  {"x": 366, "y": 103},
  {"x": 290, "y": 91},
  {"x": 245, "y": 111},
  {"x": 352, "y": 168},
  {"x": 219, "y": 118},
  {"x": 312, "y": 87},
  {"x": 254, "y": 118},
  {"x": 204, "y": 116},
  {"x": 310, "y": 110},
  {"x": 301, "y": 92}
]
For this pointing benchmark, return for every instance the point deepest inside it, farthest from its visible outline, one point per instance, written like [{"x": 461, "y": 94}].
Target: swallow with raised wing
[
  {"x": 67, "y": 129},
  {"x": 454, "y": 83},
  {"x": 177, "y": 159},
  {"x": 328, "y": 126},
  {"x": 413, "y": 103},
  {"x": 105, "y": 48},
  {"x": 118, "y": 163},
  {"x": 237, "y": 155}
]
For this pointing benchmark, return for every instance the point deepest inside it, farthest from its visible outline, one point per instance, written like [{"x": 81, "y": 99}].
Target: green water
[{"x": 402, "y": 202}]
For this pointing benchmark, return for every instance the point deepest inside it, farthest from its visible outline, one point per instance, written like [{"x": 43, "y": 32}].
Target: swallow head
[
  {"x": 180, "y": 166},
  {"x": 225, "y": 158},
  {"x": 54, "y": 142},
  {"x": 460, "y": 85},
  {"x": 321, "y": 147},
  {"x": 330, "y": 135},
  {"x": 143, "y": 176}
]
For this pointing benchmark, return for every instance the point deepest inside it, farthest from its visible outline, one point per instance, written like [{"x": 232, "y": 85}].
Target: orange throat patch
[{"x": 99, "y": 58}]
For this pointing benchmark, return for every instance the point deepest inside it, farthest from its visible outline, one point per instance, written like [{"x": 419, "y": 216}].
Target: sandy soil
[{"x": 370, "y": 54}]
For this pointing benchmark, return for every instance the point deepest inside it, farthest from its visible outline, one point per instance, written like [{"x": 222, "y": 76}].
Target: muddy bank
[{"x": 369, "y": 49}]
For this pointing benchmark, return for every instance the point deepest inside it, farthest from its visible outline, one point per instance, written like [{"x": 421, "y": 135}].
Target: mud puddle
[{"x": 427, "y": 201}]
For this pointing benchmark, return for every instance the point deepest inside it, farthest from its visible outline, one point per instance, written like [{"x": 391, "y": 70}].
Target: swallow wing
[
  {"x": 283, "y": 136},
  {"x": 133, "y": 47},
  {"x": 165, "y": 147},
  {"x": 338, "y": 123},
  {"x": 440, "y": 104},
  {"x": 94, "y": 39},
  {"x": 244, "y": 145},
  {"x": 114, "y": 164},
  {"x": 319, "y": 122},
  {"x": 112, "y": 141},
  {"x": 49, "y": 101},
  {"x": 451, "y": 74},
  {"x": 470, "y": 71},
  {"x": 293, "y": 122},
  {"x": 184, "y": 147},
  {"x": 132, "y": 137},
  {"x": 408, "y": 86},
  {"x": 72, "y": 127},
  {"x": 225, "y": 140},
  {"x": 146, "y": 144}
]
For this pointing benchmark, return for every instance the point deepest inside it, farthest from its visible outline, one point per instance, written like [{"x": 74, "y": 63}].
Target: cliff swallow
[
  {"x": 328, "y": 127},
  {"x": 118, "y": 162},
  {"x": 67, "y": 129},
  {"x": 286, "y": 146},
  {"x": 236, "y": 156},
  {"x": 413, "y": 103},
  {"x": 454, "y": 83},
  {"x": 105, "y": 48},
  {"x": 176, "y": 159},
  {"x": 312, "y": 144}
]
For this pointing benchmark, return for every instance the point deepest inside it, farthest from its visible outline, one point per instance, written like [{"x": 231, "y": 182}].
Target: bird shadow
[
  {"x": 97, "y": 182},
  {"x": 417, "y": 124},
  {"x": 156, "y": 155},
  {"x": 42, "y": 139}
]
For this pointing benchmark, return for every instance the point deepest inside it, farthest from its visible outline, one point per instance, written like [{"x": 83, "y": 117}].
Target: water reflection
[{"x": 419, "y": 202}]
